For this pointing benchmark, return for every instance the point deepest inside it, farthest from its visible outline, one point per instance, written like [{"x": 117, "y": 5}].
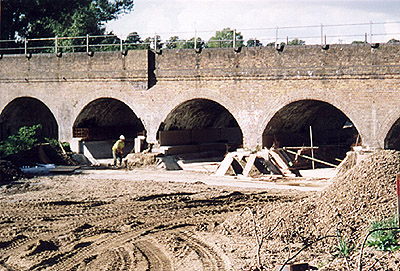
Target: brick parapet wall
[{"x": 252, "y": 85}]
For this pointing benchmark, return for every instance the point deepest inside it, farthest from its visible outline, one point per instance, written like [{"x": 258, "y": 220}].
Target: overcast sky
[{"x": 260, "y": 18}]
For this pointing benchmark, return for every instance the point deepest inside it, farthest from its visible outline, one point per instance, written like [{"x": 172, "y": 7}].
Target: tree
[
  {"x": 296, "y": 41},
  {"x": 224, "y": 39},
  {"x": 176, "y": 43},
  {"x": 254, "y": 43},
  {"x": 49, "y": 18},
  {"x": 395, "y": 41}
]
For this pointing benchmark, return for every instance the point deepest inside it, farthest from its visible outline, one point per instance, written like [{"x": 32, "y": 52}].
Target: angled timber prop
[{"x": 273, "y": 161}]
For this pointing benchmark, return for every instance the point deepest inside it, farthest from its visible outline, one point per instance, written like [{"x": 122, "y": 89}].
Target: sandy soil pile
[{"x": 356, "y": 198}]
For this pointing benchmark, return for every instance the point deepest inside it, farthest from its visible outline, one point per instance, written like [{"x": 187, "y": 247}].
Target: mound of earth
[
  {"x": 9, "y": 172},
  {"x": 362, "y": 194}
]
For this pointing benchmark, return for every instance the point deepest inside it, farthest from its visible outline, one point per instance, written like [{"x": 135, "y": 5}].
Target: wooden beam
[{"x": 312, "y": 159}]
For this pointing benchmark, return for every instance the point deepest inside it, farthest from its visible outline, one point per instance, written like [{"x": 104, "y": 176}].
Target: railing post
[
  {"x": 276, "y": 36},
  {"x": 234, "y": 38},
  {"x": 56, "y": 45},
  {"x": 121, "y": 46},
  {"x": 87, "y": 43},
  {"x": 26, "y": 46},
  {"x": 322, "y": 34},
  {"x": 195, "y": 39},
  {"x": 155, "y": 41},
  {"x": 370, "y": 32}
]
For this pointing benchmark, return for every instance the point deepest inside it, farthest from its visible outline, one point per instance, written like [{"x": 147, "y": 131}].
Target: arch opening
[
  {"x": 102, "y": 121},
  {"x": 27, "y": 111},
  {"x": 392, "y": 139},
  {"x": 331, "y": 130},
  {"x": 199, "y": 126}
]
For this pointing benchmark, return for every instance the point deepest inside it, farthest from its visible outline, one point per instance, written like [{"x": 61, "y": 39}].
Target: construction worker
[{"x": 118, "y": 150}]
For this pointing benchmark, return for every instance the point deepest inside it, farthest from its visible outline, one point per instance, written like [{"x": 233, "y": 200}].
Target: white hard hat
[{"x": 122, "y": 137}]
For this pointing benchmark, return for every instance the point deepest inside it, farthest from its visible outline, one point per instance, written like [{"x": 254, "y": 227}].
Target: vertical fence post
[
  {"x": 322, "y": 34},
  {"x": 195, "y": 39},
  {"x": 276, "y": 36},
  {"x": 87, "y": 43},
  {"x": 26, "y": 46},
  {"x": 55, "y": 45},
  {"x": 121, "y": 46},
  {"x": 155, "y": 41},
  {"x": 370, "y": 32},
  {"x": 234, "y": 39}
]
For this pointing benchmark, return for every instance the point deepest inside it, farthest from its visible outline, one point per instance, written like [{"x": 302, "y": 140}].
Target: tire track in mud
[
  {"x": 119, "y": 230},
  {"x": 156, "y": 257},
  {"x": 208, "y": 257}
]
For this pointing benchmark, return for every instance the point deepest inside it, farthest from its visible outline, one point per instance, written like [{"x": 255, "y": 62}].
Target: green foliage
[
  {"x": 24, "y": 140},
  {"x": 224, "y": 39},
  {"x": 296, "y": 41},
  {"x": 254, "y": 43},
  {"x": 343, "y": 248},
  {"x": 393, "y": 41},
  {"x": 45, "y": 18},
  {"x": 384, "y": 240},
  {"x": 176, "y": 43},
  {"x": 55, "y": 144},
  {"x": 357, "y": 42}
]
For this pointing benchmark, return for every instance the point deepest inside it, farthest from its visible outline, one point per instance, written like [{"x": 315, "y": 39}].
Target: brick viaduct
[{"x": 263, "y": 93}]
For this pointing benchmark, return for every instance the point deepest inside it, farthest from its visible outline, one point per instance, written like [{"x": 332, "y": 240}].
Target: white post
[
  {"x": 87, "y": 43},
  {"x": 322, "y": 34},
  {"x": 276, "y": 37},
  {"x": 234, "y": 38},
  {"x": 195, "y": 39},
  {"x": 370, "y": 32},
  {"x": 56, "y": 45},
  {"x": 312, "y": 149},
  {"x": 26, "y": 46}
]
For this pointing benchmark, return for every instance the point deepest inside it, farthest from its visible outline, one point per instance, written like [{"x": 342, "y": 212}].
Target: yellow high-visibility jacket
[{"x": 119, "y": 146}]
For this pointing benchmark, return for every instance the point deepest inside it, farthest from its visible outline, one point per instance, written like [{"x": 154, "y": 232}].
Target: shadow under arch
[
  {"x": 392, "y": 139},
  {"x": 332, "y": 131},
  {"x": 199, "y": 125},
  {"x": 102, "y": 121},
  {"x": 27, "y": 111}
]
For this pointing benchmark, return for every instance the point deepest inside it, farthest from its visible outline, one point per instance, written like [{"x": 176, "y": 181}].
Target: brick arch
[
  {"x": 105, "y": 105},
  {"x": 28, "y": 111},
  {"x": 387, "y": 125},
  {"x": 279, "y": 104},
  {"x": 192, "y": 94}
]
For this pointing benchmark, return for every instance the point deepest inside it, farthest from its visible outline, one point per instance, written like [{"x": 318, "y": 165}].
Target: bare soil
[{"x": 151, "y": 219}]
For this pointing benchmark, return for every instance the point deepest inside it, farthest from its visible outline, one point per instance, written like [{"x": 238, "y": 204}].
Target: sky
[{"x": 266, "y": 20}]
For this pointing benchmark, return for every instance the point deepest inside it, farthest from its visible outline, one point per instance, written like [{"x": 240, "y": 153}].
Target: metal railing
[{"x": 270, "y": 36}]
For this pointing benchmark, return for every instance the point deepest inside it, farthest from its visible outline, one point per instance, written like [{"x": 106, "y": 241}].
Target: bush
[
  {"x": 384, "y": 240},
  {"x": 24, "y": 140}
]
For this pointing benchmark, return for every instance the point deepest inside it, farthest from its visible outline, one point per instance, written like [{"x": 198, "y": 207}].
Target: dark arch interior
[
  {"x": 200, "y": 123},
  {"x": 392, "y": 140},
  {"x": 26, "y": 111},
  {"x": 332, "y": 131},
  {"x": 107, "y": 119}
]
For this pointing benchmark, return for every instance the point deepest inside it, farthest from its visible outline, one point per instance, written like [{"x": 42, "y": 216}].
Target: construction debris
[{"x": 267, "y": 161}]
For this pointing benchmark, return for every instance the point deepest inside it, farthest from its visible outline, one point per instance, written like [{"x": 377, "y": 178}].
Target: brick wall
[{"x": 252, "y": 84}]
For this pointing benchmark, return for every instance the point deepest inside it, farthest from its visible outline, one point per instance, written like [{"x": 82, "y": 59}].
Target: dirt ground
[
  {"x": 127, "y": 220},
  {"x": 152, "y": 219}
]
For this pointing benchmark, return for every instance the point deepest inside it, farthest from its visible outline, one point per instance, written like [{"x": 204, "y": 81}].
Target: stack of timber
[{"x": 267, "y": 161}]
